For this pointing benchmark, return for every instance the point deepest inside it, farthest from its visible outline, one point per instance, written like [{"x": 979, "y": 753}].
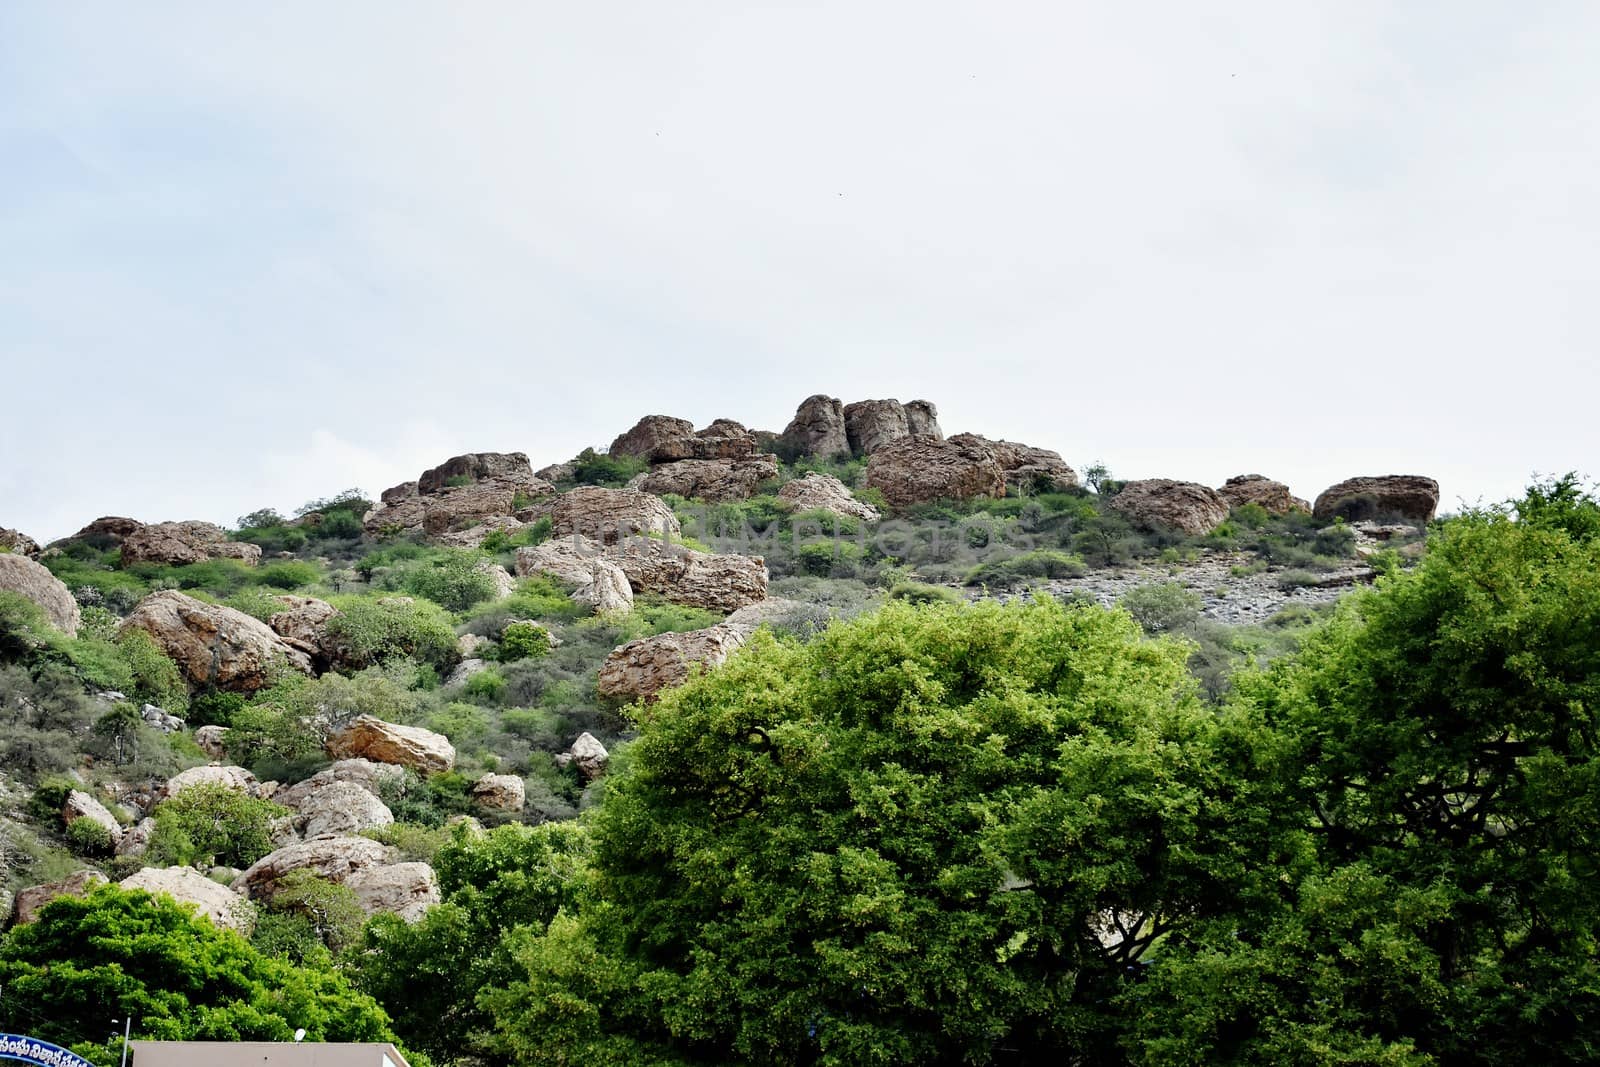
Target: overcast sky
[{"x": 255, "y": 254}]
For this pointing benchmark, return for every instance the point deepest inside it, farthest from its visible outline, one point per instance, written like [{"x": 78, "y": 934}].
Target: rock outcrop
[
  {"x": 501, "y": 468},
  {"x": 580, "y": 562},
  {"x": 302, "y": 624},
  {"x": 609, "y": 515},
  {"x": 923, "y": 418},
  {"x": 501, "y": 792},
  {"x": 80, "y": 805},
  {"x": 640, "y": 670},
  {"x": 30, "y": 900},
  {"x": 817, "y": 429},
  {"x": 1260, "y": 490},
  {"x": 212, "y": 900},
  {"x": 333, "y": 858},
  {"x": 211, "y": 644},
  {"x": 212, "y": 741},
  {"x": 161, "y": 719},
  {"x": 359, "y": 772},
  {"x": 824, "y": 492},
  {"x": 403, "y": 889},
  {"x": 462, "y": 500},
  {"x": 716, "y": 480},
  {"x": 339, "y": 808},
  {"x": 1034, "y": 470},
  {"x": 235, "y": 778},
  {"x": 385, "y": 742},
  {"x": 178, "y": 543},
  {"x": 136, "y": 838},
  {"x": 1410, "y": 496},
  {"x": 649, "y": 432},
  {"x": 718, "y": 582},
  {"x": 589, "y": 755},
  {"x": 107, "y": 531},
  {"x": 32, "y": 581},
  {"x": 922, "y": 469},
  {"x": 1162, "y": 503},
  {"x": 17, "y": 542},
  {"x": 871, "y": 424}
]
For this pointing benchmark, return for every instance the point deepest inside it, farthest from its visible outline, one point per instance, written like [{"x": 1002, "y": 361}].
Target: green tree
[
  {"x": 121, "y": 954},
  {"x": 937, "y": 834},
  {"x": 210, "y": 824}
]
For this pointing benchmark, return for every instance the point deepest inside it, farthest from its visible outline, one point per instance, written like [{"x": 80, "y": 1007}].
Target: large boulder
[
  {"x": 716, "y": 480},
  {"x": 17, "y": 542},
  {"x": 29, "y": 901},
  {"x": 333, "y": 858},
  {"x": 400, "y": 511},
  {"x": 336, "y": 809},
  {"x": 1037, "y": 470},
  {"x": 211, "y": 900},
  {"x": 922, "y": 469},
  {"x": 1162, "y": 503},
  {"x": 106, "y": 532},
  {"x": 608, "y": 515},
  {"x": 871, "y": 424},
  {"x": 580, "y": 562},
  {"x": 303, "y": 624},
  {"x": 824, "y": 492},
  {"x": 236, "y": 778},
  {"x": 723, "y": 439},
  {"x": 385, "y": 742},
  {"x": 507, "y": 468},
  {"x": 32, "y": 581},
  {"x": 502, "y": 792},
  {"x": 640, "y": 670},
  {"x": 214, "y": 645},
  {"x": 403, "y": 889},
  {"x": 1260, "y": 490},
  {"x": 649, "y": 432},
  {"x": 359, "y": 772},
  {"x": 80, "y": 805},
  {"x": 589, "y": 755},
  {"x": 1410, "y": 496},
  {"x": 137, "y": 838},
  {"x": 817, "y": 429},
  {"x": 178, "y": 543},
  {"x": 212, "y": 740},
  {"x": 718, "y": 582},
  {"x": 923, "y": 418}
]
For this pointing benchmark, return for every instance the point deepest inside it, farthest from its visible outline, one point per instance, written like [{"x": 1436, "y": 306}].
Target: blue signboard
[{"x": 40, "y": 1053}]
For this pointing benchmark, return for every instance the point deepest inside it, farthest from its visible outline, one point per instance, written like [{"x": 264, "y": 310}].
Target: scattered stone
[
  {"x": 824, "y": 492},
  {"x": 1162, "y": 503},
  {"x": 924, "y": 469},
  {"x": 161, "y": 719},
  {"x": 175, "y": 544},
  {"x": 1258, "y": 489},
  {"x": 384, "y": 742},
  {"x": 1410, "y": 496},
  {"x": 609, "y": 515},
  {"x": 225, "y": 908},
  {"x": 649, "y": 432},
  {"x": 30, "y": 900},
  {"x": 817, "y": 429},
  {"x": 32, "y": 581},
  {"x": 80, "y": 805},
  {"x": 211, "y": 644},
  {"x": 211, "y": 741},
  {"x": 403, "y": 889},
  {"x": 502, "y": 792}
]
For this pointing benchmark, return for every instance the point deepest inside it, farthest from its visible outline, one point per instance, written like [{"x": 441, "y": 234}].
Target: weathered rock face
[
  {"x": 1258, "y": 489},
  {"x": 385, "y": 742},
  {"x": 871, "y": 424},
  {"x": 723, "y": 582},
  {"x": 76, "y": 884},
  {"x": 608, "y": 515},
  {"x": 32, "y": 581},
  {"x": 557, "y": 472},
  {"x": 923, "y": 418},
  {"x": 918, "y": 470},
  {"x": 179, "y": 543},
  {"x": 641, "y": 669},
  {"x": 1410, "y": 496},
  {"x": 590, "y": 755},
  {"x": 212, "y": 644},
  {"x": 500, "y": 578},
  {"x": 358, "y": 772},
  {"x": 1158, "y": 503},
  {"x": 397, "y": 493},
  {"x": 462, "y": 506},
  {"x": 17, "y": 542},
  {"x": 1033, "y": 469},
  {"x": 723, "y": 439},
  {"x": 716, "y": 480},
  {"x": 576, "y": 559},
  {"x": 401, "y": 509},
  {"x": 502, "y": 792},
  {"x": 817, "y": 428},
  {"x": 824, "y": 492},
  {"x": 339, "y": 808},
  {"x": 475, "y": 535},
  {"x": 509, "y": 468},
  {"x": 649, "y": 432},
  {"x": 403, "y": 889},
  {"x": 81, "y": 805},
  {"x": 235, "y": 778},
  {"x": 225, "y": 908},
  {"x": 464, "y": 670},
  {"x": 107, "y": 531},
  {"x": 302, "y": 624},
  {"x": 333, "y": 858},
  {"x": 212, "y": 741},
  {"x": 136, "y": 838},
  {"x": 161, "y": 719}
]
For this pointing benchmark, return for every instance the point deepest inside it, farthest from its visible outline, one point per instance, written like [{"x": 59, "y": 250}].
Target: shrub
[
  {"x": 921, "y": 593},
  {"x": 523, "y": 640},
  {"x": 1296, "y": 579},
  {"x": 332, "y": 911},
  {"x": 591, "y": 468},
  {"x": 1039, "y": 563},
  {"x": 156, "y": 679},
  {"x": 89, "y": 839},
  {"x": 289, "y": 574},
  {"x": 371, "y": 630},
  {"x": 454, "y": 579},
  {"x": 1162, "y": 607},
  {"x": 488, "y": 685},
  {"x": 211, "y": 824}
]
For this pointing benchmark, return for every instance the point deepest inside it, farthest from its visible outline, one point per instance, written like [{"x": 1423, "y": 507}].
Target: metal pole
[{"x": 127, "y": 1028}]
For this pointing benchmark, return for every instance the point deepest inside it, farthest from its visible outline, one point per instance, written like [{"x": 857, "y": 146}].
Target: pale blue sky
[{"x": 253, "y": 254}]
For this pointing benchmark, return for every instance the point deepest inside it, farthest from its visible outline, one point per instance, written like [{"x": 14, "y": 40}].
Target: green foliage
[
  {"x": 523, "y": 640},
  {"x": 453, "y": 578},
  {"x": 268, "y": 734},
  {"x": 922, "y": 593},
  {"x": 117, "y": 953},
  {"x": 214, "y": 707},
  {"x": 591, "y": 468},
  {"x": 1162, "y": 607},
  {"x": 1015, "y": 570},
  {"x": 331, "y": 912},
  {"x": 486, "y": 685},
  {"x": 372, "y": 630},
  {"x": 290, "y": 574},
  {"x": 156, "y": 679},
  {"x": 89, "y": 839},
  {"x": 210, "y": 824}
]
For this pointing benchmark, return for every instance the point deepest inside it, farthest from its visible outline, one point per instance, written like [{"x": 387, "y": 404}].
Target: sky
[{"x": 252, "y": 255}]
